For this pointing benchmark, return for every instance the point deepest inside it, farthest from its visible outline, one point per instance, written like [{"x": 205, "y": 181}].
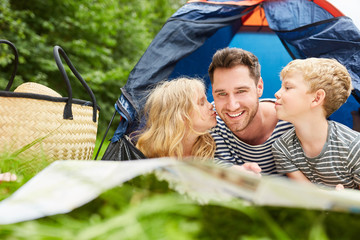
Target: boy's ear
[{"x": 319, "y": 97}]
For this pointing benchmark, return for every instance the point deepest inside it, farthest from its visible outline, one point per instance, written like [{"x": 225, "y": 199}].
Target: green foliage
[{"x": 103, "y": 39}]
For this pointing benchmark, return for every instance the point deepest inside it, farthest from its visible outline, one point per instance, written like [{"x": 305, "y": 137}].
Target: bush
[{"x": 103, "y": 39}]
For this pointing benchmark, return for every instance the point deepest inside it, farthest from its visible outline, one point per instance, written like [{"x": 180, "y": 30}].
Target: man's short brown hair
[{"x": 231, "y": 57}]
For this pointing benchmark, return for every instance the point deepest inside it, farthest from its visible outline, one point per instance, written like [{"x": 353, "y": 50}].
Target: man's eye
[{"x": 222, "y": 94}]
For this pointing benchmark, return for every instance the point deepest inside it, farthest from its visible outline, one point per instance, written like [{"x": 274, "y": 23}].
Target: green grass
[
  {"x": 103, "y": 147},
  {"x": 24, "y": 168},
  {"x": 146, "y": 208}
]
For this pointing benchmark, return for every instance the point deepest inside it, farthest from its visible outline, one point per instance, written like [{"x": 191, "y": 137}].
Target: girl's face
[{"x": 204, "y": 117}]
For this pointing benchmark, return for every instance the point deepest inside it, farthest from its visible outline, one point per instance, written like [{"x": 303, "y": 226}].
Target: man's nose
[{"x": 233, "y": 104}]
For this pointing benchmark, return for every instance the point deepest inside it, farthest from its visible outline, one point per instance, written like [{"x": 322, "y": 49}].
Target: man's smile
[{"x": 235, "y": 115}]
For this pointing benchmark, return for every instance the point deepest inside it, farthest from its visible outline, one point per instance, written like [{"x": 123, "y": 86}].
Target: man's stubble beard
[{"x": 236, "y": 128}]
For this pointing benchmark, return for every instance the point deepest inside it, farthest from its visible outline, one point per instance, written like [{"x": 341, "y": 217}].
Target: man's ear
[
  {"x": 260, "y": 87},
  {"x": 319, "y": 98}
]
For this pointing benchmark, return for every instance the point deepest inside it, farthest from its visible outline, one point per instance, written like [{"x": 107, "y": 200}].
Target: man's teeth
[{"x": 235, "y": 115}]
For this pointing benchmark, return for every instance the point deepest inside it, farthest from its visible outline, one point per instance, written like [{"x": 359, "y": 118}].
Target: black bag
[{"x": 122, "y": 150}]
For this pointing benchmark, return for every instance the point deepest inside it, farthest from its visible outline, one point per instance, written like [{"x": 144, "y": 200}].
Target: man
[{"x": 246, "y": 127}]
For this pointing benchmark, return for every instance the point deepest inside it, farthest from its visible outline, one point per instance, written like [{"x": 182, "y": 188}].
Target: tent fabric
[
  {"x": 193, "y": 34},
  {"x": 317, "y": 40},
  {"x": 205, "y": 11},
  {"x": 308, "y": 30},
  {"x": 289, "y": 15},
  {"x": 255, "y": 18}
]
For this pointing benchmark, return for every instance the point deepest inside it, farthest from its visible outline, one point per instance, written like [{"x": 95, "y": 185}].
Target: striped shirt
[
  {"x": 338, "y": 162},
  {"x": 230, "y": 150}
]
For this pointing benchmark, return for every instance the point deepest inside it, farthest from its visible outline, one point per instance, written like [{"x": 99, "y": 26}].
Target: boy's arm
[{"x": 298, "y": 176}]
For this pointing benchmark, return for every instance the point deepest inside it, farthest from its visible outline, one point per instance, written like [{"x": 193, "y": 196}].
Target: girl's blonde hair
[{"x": 168, "y": 110}]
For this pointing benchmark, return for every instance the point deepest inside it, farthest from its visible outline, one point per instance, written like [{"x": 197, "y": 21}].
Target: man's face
[{"x": 236, "y": 96}]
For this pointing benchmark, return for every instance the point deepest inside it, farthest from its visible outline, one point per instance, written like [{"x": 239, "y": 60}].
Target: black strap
[
  {"x": 106, "y": 132},
  {"x": 68, "y": 107},
  {"x": 16, "y": 62}
]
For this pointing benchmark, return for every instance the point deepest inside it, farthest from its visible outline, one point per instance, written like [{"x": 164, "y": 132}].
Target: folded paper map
[{"x": 66, "y": 185}]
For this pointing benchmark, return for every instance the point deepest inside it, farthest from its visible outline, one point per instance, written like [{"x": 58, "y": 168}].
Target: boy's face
[{"x": 293, "y": 99}]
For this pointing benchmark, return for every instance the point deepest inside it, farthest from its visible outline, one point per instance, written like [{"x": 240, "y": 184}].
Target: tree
[{"x": 103, "y": 38}]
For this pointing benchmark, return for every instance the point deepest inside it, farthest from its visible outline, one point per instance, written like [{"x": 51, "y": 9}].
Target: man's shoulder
[
  {"x": 220, "y": 128},
  {"x": 268, "y": 103},
  {"x": 267, "y": 107},
  {"x": 287, "y": 135},
  {"x": 283, "y": 126},
  {"x": 267, "y": 100}
]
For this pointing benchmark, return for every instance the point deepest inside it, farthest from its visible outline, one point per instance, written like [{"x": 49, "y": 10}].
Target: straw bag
[{"x": 35, "y": 120}]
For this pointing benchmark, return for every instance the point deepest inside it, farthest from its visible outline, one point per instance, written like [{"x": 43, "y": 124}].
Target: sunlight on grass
[{"x": 24, "y": 168}]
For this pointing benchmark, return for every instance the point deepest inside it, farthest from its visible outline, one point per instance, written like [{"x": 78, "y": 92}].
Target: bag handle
[
  {"x": 16, "y": 61},
  {"x": 68, "y": 107},
  {"x": 106, "y": 132}
]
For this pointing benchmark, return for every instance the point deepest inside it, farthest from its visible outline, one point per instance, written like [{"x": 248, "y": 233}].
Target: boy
[{"x": 316, "y": 150}]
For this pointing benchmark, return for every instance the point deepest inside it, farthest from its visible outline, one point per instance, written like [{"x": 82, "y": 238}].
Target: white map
[{"x": 66, "y": 185}]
